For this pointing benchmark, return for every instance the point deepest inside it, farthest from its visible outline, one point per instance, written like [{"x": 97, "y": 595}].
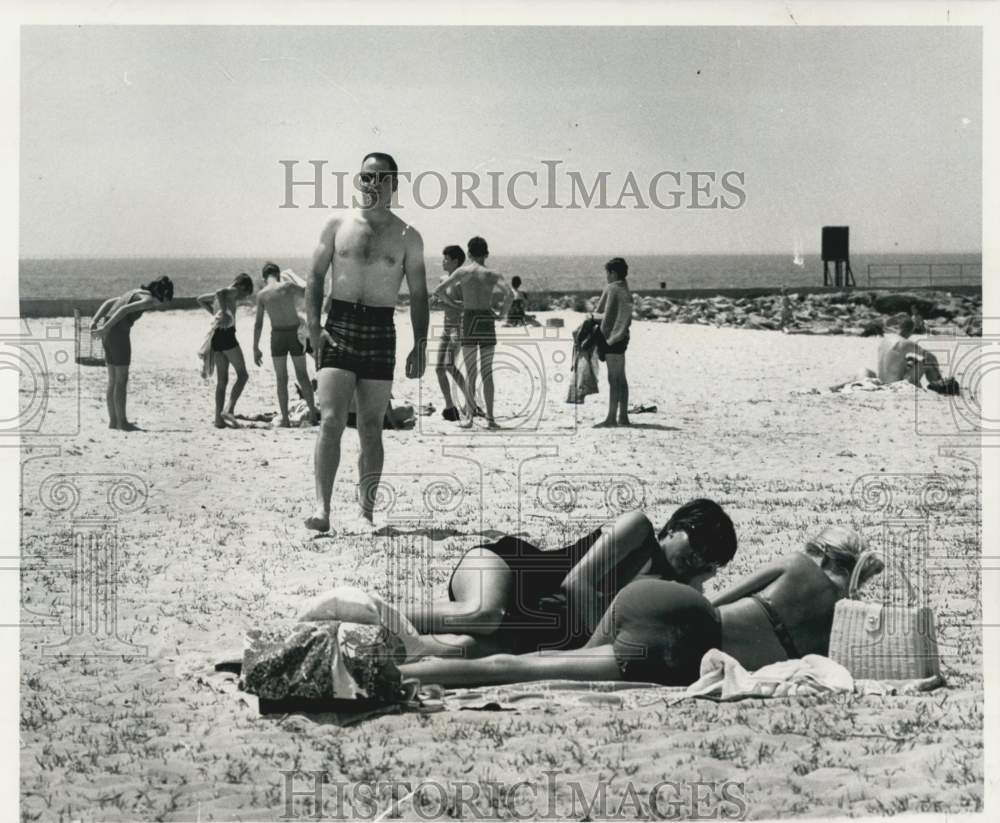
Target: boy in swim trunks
[
  {"x": 223, "y": 347},
  {"x": 278, "y": 299},
  {"x": 479, "y": 335},
  {"x": 450, "y": 342},
  {"x": 370, "y": 250},
  {"x": 614, "y": 311}
]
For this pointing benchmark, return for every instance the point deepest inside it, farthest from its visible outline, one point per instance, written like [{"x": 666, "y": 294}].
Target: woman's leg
[
  {"x": 235, "y": 356},
  {"x": 221, "y": 384},
  {"x": 481, "y": 587},
  {"x": 110, "y": 397},
  {"x": 121, "y": 395}
]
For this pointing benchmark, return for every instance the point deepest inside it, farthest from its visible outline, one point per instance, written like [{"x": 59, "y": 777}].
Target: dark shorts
[
  {"x": 660, "y": 630},
  {"x": 286, "y": 341},
  {"x": 618, "y": 348},
  {"x": 479, "y": 328},
  {"x": 118, "y": 345},
  {"x": 224, "y": 339},
  {"x": 537, "y": 615},
  {"x": 364, "y": 340}
]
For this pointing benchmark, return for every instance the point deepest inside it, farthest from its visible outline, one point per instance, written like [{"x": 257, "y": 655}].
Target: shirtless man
[
  {"x": 900, "y": 358},
  {"x": 450, "y": 342},
  {"x": 221, "y": 348},
  {"x": 478, "y": 323},
  {"x": 278, "y": 299},
  {"x": 370, "y": 250}
]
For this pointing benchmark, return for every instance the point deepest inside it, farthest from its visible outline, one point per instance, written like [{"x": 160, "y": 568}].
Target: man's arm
[
  {"x": 416, "y": 283},
  {"x": 448, "y": 282},
  {"x": 322, "y": 258},
  {"x": 508, "y": 294},
  {"x": 288, "y": 276},
  {"x": 207, "y": 302},
  {"x": 258, "y": 327}
]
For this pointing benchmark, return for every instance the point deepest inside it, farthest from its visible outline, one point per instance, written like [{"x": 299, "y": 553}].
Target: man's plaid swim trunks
[{"x": 364, "y": 340}]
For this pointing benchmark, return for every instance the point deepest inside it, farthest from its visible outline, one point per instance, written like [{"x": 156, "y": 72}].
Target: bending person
[
  {"x": 511, "y": 596},
  {"x": 658, "y": 631},
  {"x": 115, "y": 335}
]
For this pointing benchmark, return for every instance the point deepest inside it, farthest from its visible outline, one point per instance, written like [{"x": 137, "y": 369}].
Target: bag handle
[{"x": 859, "y": 566}]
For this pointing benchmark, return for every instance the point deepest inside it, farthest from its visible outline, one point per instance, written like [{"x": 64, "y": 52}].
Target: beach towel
[
  {"x": 205, "y": 353},
  {"x": 723, "y": 678},
  {"x": 871, "y": 384},
  {"x": 585, "y": 366}
]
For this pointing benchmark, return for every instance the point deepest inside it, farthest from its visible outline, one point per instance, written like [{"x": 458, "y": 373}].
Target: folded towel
[{"x": 723, "y": 678}]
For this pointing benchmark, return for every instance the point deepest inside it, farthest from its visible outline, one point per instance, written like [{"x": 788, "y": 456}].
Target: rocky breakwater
[{"x": 862, "y": 313}]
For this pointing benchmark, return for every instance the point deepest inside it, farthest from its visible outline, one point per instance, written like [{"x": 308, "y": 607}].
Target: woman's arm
[
  {"x": 103, "y": 310},
  {"x": 597, "y": 663},
  {"x": 759, "y": 580},
  {"x": 207, "y": 302},
  {"x": 142, "y": 304},
  {"x": 611, "y": 563}
]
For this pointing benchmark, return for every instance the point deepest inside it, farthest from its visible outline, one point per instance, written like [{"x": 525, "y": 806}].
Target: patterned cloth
[
  {"x": 364, "y": 340},
  {"x": 323, "y": 661}
]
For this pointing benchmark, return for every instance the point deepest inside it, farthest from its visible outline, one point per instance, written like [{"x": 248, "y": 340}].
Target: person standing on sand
[
  {"x": 614, "y": 311},
  {"x": 450, "y": 342},
  {"x": 278, "y": 299},
  {"x": 370, "y": 250},
  {"x": 221, "y": 348},
  {"x": 115, "y": 335},
  {"x": 478, "y": 324}
]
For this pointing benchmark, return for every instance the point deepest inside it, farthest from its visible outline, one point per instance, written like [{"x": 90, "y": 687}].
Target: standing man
[
  {"x": 278, "y": 298},
  {"x": 450, "y": 342},
  {"x": 370, "y": 250},
  {"x": 614, "y": 311},
  {"x": 478, "y": 324}
]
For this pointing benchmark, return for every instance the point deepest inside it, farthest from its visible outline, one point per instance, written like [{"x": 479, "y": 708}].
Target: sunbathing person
[
  {"x": 658, "y": 630},
  {"x": 511, "y": 596}
]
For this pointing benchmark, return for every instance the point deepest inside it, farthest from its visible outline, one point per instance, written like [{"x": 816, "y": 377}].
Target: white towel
[{"x": 723, "y": 678}]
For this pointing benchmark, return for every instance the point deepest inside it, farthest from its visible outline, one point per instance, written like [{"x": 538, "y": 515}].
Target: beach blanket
[{"x": 870, "y": 384}]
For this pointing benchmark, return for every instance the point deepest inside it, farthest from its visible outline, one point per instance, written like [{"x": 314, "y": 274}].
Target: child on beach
[
  {"x": 278, "y": 299},
  {"x": 614, "y": 311},
  {"x": 450, "y": 342},
  {"x": 115, "y": 335},
  {"x": 515, "y": 315},
  {"x": 221, "y": 348}
]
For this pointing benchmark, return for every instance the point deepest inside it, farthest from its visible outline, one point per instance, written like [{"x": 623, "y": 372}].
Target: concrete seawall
[{"x": 86, "y": 307}]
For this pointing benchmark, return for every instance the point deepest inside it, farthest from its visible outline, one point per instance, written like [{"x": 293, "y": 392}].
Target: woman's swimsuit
[
  {"x": 780, "y": 629},
  {"x": 118, "y": 342}
]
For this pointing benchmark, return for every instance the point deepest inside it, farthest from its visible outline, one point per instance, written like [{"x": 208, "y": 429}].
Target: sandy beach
[{"x": 213, "y": 543}]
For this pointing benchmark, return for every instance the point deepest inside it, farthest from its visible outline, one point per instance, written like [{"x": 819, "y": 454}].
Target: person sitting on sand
[
  {"x": 479, "y": 335},
  {"x": 900, "y": 358},
  {"x": 511, "y": 596},
  {"x": 658, "y": 630},
  {"x": 221, "y": 348},
  {"x": 278, "y": 298},
  {"x": 115, "y": 335},
  {"x": 450, "y": 342},
  {"x": 515, "y": 314},
  {"x": 614, "y": 311}
]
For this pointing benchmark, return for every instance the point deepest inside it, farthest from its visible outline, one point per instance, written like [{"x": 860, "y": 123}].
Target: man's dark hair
[
  {"x": 709, "y": 530},
  {"x": 515, "y": 282},
  {"x": 270, "y": 270},
  {"x": 907, "y": 327},
  {"x": 617, "y": 265},
  {"x": 162, "y": 289},
  {"x": 454, "y": 253},
  {"x": 478, "y": 248},
  {"x": 244, "y": 281},
  {"x": 389, "y": 160}
]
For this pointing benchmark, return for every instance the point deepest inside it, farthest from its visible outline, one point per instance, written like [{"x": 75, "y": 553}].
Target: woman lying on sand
[
  {"x": 115, "y": 335},
  {"x": 510, "y": 596},
  {"x": 658, "y": 630}
]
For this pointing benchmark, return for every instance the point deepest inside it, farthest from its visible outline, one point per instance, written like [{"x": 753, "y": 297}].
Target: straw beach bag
[{"x": 879, "y": 641}]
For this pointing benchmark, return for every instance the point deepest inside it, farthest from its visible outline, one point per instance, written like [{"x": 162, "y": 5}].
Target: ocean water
[{"x": 72, "y": 278}]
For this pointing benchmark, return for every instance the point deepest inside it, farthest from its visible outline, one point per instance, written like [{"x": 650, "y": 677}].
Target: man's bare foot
[
  {"x": 112, "y": 425},
  {"x": 491, "y": 423},
  {"x": 606, "y": 424},
  {"x": 465, "y": 422},
  {"x": 318, "y": 523},
  {"x": 230, "y": 420},
  {"x": 285, "y": 423},
  {"x": 130, "y": 427},
  {"x": 220, "y": 423},
  {"x": 624, "y": 421}
]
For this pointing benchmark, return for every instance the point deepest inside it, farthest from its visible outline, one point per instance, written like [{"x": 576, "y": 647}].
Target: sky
[{"x": 153, "y": 141}]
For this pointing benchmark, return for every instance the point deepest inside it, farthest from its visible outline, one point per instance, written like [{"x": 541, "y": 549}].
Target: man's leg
[
  {"x": 486, "y": 363},
  {"x": 281, "y": 377},
  {"x": 305, "y": 384},
  {"x": 469, "y": 355},
  {"x": 455, "y": 355},
  {"x": 373, "y": 400},
  {"x": 221, "y": 384},
  {"x": 615, "y": 363},
  {"x": 235, "y": 356},
  {"x": 622, "y": 394},
  {"x": 442, "y": 366},
  {"x": 335, "y": 388},
  {"x": 110, "y": 397}
]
